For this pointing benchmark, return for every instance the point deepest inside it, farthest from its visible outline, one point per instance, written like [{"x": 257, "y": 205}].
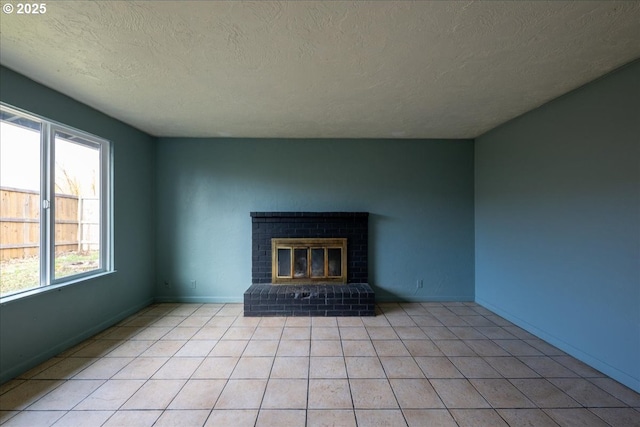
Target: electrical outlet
[
  {"x": 419, "y": 284},
  {"x": 193, "y": 284}
]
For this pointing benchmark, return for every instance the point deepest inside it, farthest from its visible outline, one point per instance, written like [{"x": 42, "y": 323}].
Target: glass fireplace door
[{"x": 309, "y": 260}]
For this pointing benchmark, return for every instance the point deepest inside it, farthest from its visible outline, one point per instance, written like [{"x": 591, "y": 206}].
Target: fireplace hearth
[{"x": 309, "y": 264}]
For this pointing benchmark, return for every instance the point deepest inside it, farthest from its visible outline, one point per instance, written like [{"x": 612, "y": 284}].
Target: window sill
[{"x": 52, "y": 288}]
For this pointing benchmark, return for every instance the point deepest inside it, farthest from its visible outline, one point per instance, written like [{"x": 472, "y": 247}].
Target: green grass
[{"x": 21, "y": 274}]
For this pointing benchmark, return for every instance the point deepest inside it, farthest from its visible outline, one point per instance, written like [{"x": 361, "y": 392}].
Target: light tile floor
[{"x": 429, "y": 364}]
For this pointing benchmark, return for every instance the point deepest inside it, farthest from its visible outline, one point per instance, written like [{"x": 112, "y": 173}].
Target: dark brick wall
[{"x": 352, "y": 225}]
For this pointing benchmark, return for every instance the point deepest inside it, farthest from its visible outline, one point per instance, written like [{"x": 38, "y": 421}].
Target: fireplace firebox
[
  {"x": 309, "y": 261},
  {"x": 309, "y": 264}
]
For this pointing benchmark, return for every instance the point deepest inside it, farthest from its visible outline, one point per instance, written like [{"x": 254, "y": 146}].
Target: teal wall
[
  {"x": 558, "y": 223},
  {"x": 34, "y": 328},
  {"x": 419, "y": 194}
]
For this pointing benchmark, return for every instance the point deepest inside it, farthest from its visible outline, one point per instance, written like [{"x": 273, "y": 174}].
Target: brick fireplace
[{"x": 298, "y": 294}]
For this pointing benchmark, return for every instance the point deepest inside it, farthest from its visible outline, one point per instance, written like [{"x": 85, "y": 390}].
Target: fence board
[{"x": 20, "y": 223}]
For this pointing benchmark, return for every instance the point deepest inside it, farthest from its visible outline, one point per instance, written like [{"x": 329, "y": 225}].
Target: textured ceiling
[{"x": 378, "y": 69}]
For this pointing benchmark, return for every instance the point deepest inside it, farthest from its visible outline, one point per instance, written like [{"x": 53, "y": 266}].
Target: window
[{"x": 55, "y": 224}]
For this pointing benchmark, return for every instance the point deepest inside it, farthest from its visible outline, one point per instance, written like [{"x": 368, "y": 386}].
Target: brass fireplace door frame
[{"x": 299, "y": 244}]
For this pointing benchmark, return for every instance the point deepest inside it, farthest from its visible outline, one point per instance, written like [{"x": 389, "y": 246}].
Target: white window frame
[{"x": 48, "y": 131}]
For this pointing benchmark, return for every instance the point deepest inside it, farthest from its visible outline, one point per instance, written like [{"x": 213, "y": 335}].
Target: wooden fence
[{"x": 75, "y": 228}]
